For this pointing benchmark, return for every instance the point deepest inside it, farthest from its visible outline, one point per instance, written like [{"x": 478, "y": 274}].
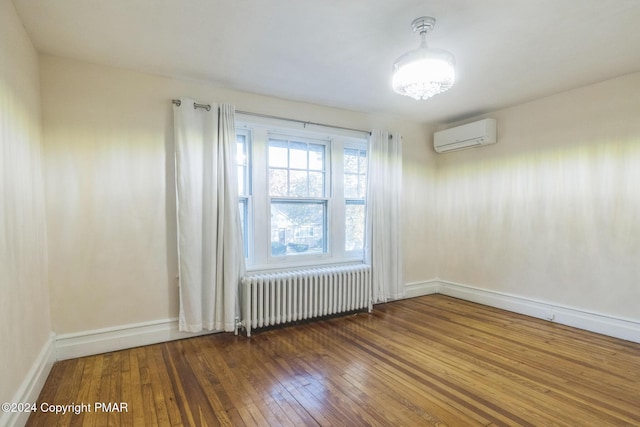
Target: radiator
[{"x": 284, "y": 297}]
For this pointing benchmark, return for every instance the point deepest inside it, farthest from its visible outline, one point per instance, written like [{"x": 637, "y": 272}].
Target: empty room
[{"x": 285, "y": 213}]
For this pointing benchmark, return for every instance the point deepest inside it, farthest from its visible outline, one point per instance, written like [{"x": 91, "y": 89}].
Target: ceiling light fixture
[{"x": 423, "y": 72}]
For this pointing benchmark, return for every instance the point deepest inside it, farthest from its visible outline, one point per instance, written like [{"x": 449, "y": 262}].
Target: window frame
[
  {"x": 246, "y": 198},
  {"x": 324, "y": 199},
  {"x": 355, "y": 200},
  {"x": 259, "y": 201}
]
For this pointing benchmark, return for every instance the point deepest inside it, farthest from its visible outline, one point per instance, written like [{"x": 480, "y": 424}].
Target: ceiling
[{"x": 339, "y": 53}]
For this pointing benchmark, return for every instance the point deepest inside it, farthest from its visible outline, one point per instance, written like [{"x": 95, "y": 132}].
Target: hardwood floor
[{"x": 431, "y": 360}]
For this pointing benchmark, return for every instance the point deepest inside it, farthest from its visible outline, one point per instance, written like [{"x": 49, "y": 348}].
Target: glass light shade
[{"x": 423, "y": 72}]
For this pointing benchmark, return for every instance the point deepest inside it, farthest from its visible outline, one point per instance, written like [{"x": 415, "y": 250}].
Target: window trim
[{"x": 259, "y": 202}]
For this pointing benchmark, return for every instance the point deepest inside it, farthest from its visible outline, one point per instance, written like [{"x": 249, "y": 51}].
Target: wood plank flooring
[{"x": 430, "y": 360}]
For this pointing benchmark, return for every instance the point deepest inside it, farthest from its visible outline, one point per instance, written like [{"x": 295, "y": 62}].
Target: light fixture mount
[
  {"x": 423, "y": 72},
  {"x": 423, "y": 25}
]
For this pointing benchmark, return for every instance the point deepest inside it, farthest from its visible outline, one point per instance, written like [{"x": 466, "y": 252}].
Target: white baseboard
[
  {"x": 418, "y": 289},
  {"x": 603, "y": 324},
  {"x": 32, "y": 385},
  {"x": 134, "y": 335},
  {"x": 97, "y": 341}
]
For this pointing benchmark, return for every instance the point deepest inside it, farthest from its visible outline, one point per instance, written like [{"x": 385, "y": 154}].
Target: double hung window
[
  {"x": 302, "y": 196},
  {"x": 244, "y": 183},
  {"x": 355, "y": 188},
  {"x": 297, "y": 184}
]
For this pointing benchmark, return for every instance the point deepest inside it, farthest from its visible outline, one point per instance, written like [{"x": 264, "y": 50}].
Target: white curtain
[
  {"x": 210, "y": 252},
  {"x": 383, "y": 247}
]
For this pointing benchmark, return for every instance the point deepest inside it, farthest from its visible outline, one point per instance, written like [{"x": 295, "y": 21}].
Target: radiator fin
[{"x": 284, "y": 297}]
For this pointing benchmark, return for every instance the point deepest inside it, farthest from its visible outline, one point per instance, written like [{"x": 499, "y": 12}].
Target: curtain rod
[{"x": 268, "y": 116}]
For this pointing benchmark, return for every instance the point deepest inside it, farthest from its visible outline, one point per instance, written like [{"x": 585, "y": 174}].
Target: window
[
  {"x": 302, "y": 196},
  {"x": 355, "y": 188},
  {"x": 297, "y": 190},
  {"x": 244, "y": 183}
]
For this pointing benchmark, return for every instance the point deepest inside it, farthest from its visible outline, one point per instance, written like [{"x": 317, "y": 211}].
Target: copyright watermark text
[{"x": 70, "y": 408}]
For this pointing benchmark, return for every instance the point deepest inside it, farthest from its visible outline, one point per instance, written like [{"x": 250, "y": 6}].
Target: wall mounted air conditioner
[{"x": 482, "y": 132}]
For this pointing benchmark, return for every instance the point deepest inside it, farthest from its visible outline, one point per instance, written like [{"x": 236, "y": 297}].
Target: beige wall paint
[
  {"x": 420, "y": 244},
  {"x": 109, "y": 182},
  {"x": 551, "y": 212},
  {"x": 24, "y": 300}
]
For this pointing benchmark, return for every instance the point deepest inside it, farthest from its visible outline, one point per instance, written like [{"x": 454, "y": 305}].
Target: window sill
[{"x": 264, "y": 268}]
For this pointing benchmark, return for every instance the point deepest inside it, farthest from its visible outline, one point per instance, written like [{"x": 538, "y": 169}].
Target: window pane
[
  {"x": 355, "y": 188},
  {"x": 242, "y": 206},
  {"x": 362, "y": 162},
  {"x": 278, "y": 153},
  {"x": 354, "y": 226},
  {"x": 297, "y": 228},
  {"x": 241, "y": 149},
  {"x": 316, "y": 184},
  {"x": 355, "y": 173},
  {"x": 350, "y": 160},
  {"x": 316, "y": 157},
  {"x": 243, "y": 160},
  {"x": 278, "y": 184},
  {"x": 351, "y": 186},
  {"x": 303, "y": 173},
  {"x": 362, "y": 186},
  {"x": 298, "y": 155},
  {"x": 298, "y": 184},
  {"x": 241, "y": 182}
]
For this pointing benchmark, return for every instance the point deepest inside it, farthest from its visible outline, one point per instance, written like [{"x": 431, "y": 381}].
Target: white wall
[
  {"x": 552, "y": 212},
  {"x": 548, "y": 214},
  {"x": 24, "y": 299},
  {"x": 110, "y": 198}
]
